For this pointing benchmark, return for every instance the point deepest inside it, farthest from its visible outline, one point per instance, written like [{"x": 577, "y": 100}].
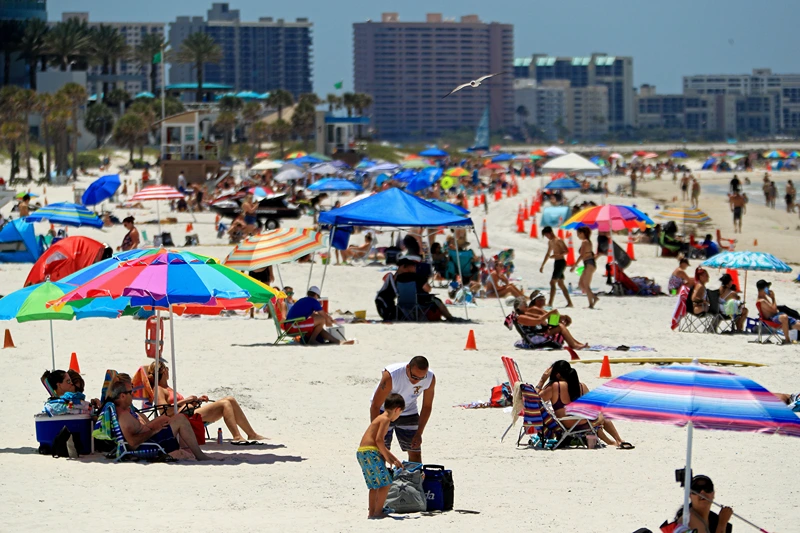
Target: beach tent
[
  {"x": 18, "y": 243},
  {"x": 570, "y": 163},
  {"x": 433, "y": 152},
  {"x": 334, "y": 184},
  {"x": 679, "y": 154},
  {"x": 65, "y": 257},
  {"x": 555, "y": 151},
  {"x": 709, "y": 164}
]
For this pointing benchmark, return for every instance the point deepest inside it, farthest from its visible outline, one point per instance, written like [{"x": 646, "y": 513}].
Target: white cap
[{"x": 315, "y": 290}]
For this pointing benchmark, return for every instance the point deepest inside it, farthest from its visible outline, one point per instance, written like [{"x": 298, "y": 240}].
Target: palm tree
[
  {"x": 44, "y": 106},
  {"x": 280, "y": 131},
  {"x": 279, "y": 99},
  {"x": 230, "y": 104},
  {"x": 68, "y": 42},
  {"x": 76, "y": 96},
  {"x": 198, "y": 49},
  {"x": 259, "y": 132},
  {"x": 99, "y": 121},
  {"x": 11, "y": 125},
  {"x": 348, "y": 101},
  {"x": 147, "y": 111},
  {"x": 250, "y": 113},
  {"x": 118, "y": 98},
  {"x": 129, "y": 131},
  {"x": 361, "y": 102},
  {"x": 226, "y": 122},
  {"x": 25, "y": 103},
  {"x": 107, "y": 46},
  {"x": 303, "y": 120},
  {"x": 151, "y": 45},
  {"x": 10, "y": 35},
  {"x": 334, "y": 102},
  {"x": 32, "y": 47}
]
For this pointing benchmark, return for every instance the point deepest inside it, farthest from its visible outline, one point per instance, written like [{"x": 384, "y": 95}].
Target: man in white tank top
[{"x": 410, "y": 381}]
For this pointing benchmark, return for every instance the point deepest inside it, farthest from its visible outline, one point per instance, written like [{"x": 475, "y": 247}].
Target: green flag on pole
[
  {"x": 338, "y": 85},
  {"x": 157, "y": 58}
]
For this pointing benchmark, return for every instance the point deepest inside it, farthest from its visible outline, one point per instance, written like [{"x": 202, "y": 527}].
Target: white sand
[{"x": 313, "y": 403}]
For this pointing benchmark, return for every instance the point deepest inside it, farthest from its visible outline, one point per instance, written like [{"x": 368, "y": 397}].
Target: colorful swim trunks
[{"x": 374, "y": 467}]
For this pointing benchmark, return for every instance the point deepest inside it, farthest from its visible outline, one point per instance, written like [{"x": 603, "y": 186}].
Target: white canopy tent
[
  {"x": 570, "y": 163},
  {"x": 555, "y": 151}
]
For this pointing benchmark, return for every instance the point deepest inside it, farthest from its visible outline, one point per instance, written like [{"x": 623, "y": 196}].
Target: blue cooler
[
  {"x": 48, "y": 427},
  {"x": 439, "y": 488}
]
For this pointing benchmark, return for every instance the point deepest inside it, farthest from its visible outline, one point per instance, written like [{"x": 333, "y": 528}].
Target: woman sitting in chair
[
  {"x": 226, "y": 408},
  {"x": 535, "y": 316},
  {"x": 64, "y": 398},
  {"x": 698, "y": 297},
  {"x": 498, "y": 280},
  {"x": 679, "y": 277},
  {"x": 730, "y": 302},
  {"x": 562, "y": 389},
  {"x": 355, "y": 252}
]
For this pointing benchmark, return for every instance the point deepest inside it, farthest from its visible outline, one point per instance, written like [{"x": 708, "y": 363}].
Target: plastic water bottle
[
  {"x": 219, "y": 435},
  {"x": 570, "y": 287}
]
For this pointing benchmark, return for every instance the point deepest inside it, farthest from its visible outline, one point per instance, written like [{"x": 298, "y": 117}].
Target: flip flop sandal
[
  {"x": 246, "y": 443},
  {"x": 626, "y": 446}
]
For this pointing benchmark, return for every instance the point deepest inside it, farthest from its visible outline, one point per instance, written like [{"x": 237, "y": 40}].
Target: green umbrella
[{"x": 416, "y": 163}]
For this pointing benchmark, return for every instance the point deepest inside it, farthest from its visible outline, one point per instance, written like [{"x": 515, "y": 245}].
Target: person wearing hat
[
  {"x": 313, "y": 319},
  {"x": 679, "y": 277},
  {"x": 769, "y": 309},
  {"x": 730, "y": 302},
  {"x": 701, "y": 518},
  {"x": 534, "y": 317},
  {"x": 408, "y": 271}
]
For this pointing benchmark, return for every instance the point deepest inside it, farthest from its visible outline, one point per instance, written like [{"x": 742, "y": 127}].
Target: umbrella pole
[
  {"x": 458, "y": 263},
  {"x": 483, "y": 258},
  {"x": 157, "y": 356},
  {"x": 52, "y": 347},
  {"x": 278, "y": 270},
  {"x": 325, "y": 268},
  {"x": 158, "y": 214},
  {"x": 744, "y": 298},
  {"x": 174, "y": 372},
  {"x": 687, "y": 488},
  {"x": 310, "y": 270}
]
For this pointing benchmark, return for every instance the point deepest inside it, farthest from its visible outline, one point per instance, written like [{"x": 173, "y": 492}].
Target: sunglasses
[
  {"x": 417, "y": 378},
  {"x": 708, "y": 488}
]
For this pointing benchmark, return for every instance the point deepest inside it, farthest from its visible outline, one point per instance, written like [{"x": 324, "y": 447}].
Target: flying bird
[{"x": 473, "y": 83}]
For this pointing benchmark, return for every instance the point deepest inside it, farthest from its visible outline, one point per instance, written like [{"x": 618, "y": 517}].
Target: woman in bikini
[
  {"x": 496, "y": 279},
  {"x": 131, "y": 239},
  {"x": 226, "y": 408},
  {"x": 249, "y": 212},
  {"x": 535, "y": 317},
  {"x": 699, "y": 298},
  {"x": 562, "y": 389},
  {"x": 586, "y": 254},
  {"x": 679, "y": 277}
]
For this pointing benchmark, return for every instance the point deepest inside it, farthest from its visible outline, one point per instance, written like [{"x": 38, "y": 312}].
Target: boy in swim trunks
[
  {"x": 558, "y": 249},
  {"x": 372, "y": 455}
]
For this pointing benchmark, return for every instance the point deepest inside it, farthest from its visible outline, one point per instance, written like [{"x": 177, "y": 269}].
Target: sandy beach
[{"x": 313, "y": 403}]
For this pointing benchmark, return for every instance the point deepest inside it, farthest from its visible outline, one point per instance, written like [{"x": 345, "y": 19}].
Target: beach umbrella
[
  {"x": 433, "y": 152},
  {"x": 691, "y": 395},
  {"x": 501, "y": 158},
  {"x": 747, "y": 261},
  {"x": 273, "y": 248},
  {"x": 295, "y": 155},
  {"x": 540, "y": 153},
  {"x": 21, "y": 195},
  {"x": 259, "y": 193},
  {"x": 609, "y": 218},
  {"x": 615, "y": 156},
  {"x": 679, "y": 154},
  {"x": 416, "y": 163},
  {"x": 66, "y": 213},
  {"x": 563, "y": 184},
  {"x": 794, "y": 154},
  {"x": 334, "y": 184},
  {"x": 289, "y": 174},
  {"x": 554, "y": 151},
  {"x": 383, "y": 167},
  {"x": 426, "y": 178},
  {"x": 494, "y": 166},
  {"x": 101, "y": 189},
  {"x": 650, "y": 155},
  {"x": 321, "y": 157},
  {"x": 684, "y": 215},
  {"x": 304, "y": 160},
  {"x": 324, "y": 168},
  {"x": 164, "y": 279},
  {"x": 144, "y": 94},
  {"x": 156, "y": 193},
  {"x": 262, "y": 155},
  {"x": 457, "y": 172},
  {"x": 267, "y": 165}
]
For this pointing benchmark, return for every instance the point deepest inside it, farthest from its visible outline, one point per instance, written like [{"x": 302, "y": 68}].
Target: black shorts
[
  {"x": 559, "y": 267},
  {"x": 405, "y": 427},
  {"x": 166, "y": 439},
  {"x": 737, "y": 213}
]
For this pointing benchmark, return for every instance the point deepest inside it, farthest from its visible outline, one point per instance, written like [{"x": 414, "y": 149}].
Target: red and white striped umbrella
[{"x": 157, "y": 192}]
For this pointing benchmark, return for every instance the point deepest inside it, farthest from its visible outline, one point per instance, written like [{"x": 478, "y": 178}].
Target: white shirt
[{"x": 409, "y": 391}]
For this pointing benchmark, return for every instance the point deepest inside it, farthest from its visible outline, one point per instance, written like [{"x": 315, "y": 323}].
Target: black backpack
[{"x": 60, "y": 446}]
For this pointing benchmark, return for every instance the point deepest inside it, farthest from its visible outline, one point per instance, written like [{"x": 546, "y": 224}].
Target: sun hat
[{"x": 315, "y": 290}]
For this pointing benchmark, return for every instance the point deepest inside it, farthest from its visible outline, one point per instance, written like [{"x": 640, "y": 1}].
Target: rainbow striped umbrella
[
  {"x": 609, "y": 218},
  {"x": 457, "y": 172},
  {"x": 67, "y": 214},
  {"x": 273, "y": 248},
  {"x": 690, "y": 395},
  {"x": 685, "y": 215}
]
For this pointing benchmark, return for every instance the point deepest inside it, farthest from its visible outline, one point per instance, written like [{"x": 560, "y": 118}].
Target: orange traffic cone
[
  {"x": 465, "y": 202},
  {"x": 570, "y": 251},
  {"x": 8, "y": 342},
  {"x": 560, "y": 233},
  {"x": 534, "y": 230},
  {"x": 483, "y": 198},
  {"x": 73, "y": 363},
  {"x": 629, "y": 250},
  {"x": 755, "y": 242},
  {"x": 471, "y": 341},
  {"x": 605, "y": 368},
  {"x": 573, "y": 355},
  {"x": 525, "y": 214},
  {"x": 475, "y": 202},
  {"x": 508, "y": 192},
  {"x": 189, "y": 227},
  {"x": 498, "y": 195},
  {"x": 520, "y": 225},
  {"x": 734, "y": 274},
  {"x": 484, "y": 236},
  {"x": 45, "y": 201}
]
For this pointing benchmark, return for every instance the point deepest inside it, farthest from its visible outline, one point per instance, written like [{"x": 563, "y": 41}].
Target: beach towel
[
  {"x": 680, "y": 306},
  {"x": 621, "y": 348}
]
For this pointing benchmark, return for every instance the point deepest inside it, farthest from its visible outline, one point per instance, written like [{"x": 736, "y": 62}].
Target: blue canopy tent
[
  {"x": 562, "y": 184},
  {"x": 502, "y": 157},
  {"x": 305, "y": 160},
  {"x": 18, "y": 243},
  {"x": 405, "y": 175},
  {"x": 452, "y": 208},
  {"x": 433, "y": 152},
  {"x": 679, "y": 154},
  {"x": 334, "y": 184}
]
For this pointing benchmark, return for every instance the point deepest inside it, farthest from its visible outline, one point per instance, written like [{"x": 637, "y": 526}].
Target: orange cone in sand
[
  {"x": 189, "y": 227},
  {"x": 73, "y": 363},
  {"x": 520, "y": 225},
  {"x": 471, "y": 341},
  {"x": 570, "y": 251},
  {"x": 560, "y": 233},
  {"x": 629, "y": 251},
  {"x": 475, "y": 202},
  {"x": 734, "y": 274},
  {"x": 484, "y": 236},
  {"x": 525, "y": 213},
  {"x": 534, "y": 230},
  {"x": 216, "y": 220},
  {"x": 8, "y": 342},
  {"x": 573, "y": 355},
  {"x": 605, "y": 368}
]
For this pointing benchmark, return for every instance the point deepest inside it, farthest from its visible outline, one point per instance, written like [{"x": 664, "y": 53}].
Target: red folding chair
[
  {"x": 773, "y": 330},
  {"x": 725, "y": 244}
]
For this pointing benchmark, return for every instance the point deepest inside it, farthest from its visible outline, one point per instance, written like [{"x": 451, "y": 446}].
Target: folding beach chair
[
  {"x": 767, "y": 329},
  {"x": 144, "y": 393},
  {"x": 107, "y": 428},
  {"x": 364, "y": 259},
  {"x": 725, "y": 245},
  {"x": 696, "y": 251},
  {"x": 408, "y": 308},
  {"x": 718, "y": 318},
  {"x": 534, "y": 340},
  {"x": 692, "y": 323},
  {"x": 287, "y": 329}
]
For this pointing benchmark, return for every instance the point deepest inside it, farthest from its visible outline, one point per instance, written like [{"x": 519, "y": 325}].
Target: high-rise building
[
  {"x": 768, "y": 102},
  {"x": 257, "y": 56},
  {"x": 560, "y": 110},
  {"x": 131, "y": 76},
  {"x": 407, "y": 67},
  {"x": 20, "y": 11},
  {"x": 701, "y": 114},
  {"x": 613, "y": 72}
]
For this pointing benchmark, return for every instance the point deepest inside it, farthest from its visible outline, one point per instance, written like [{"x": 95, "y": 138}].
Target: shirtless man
[
  {"x": 769, "y": 310},
  {"x": 739, "y": 208},
  {"x": 558, "y": 250},
  {"x": 685, "y": 187},
  {"x": 24, "y": 206},
  {"x": 161, "y": 430}
]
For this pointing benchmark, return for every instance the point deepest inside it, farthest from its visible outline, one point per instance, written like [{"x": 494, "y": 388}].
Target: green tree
[
  {"x": 45, "y": 105},
  {"x": 334, "y": 102},
  {"x": 303, "y": 121},
  {"x": 76, "y": 96},
  {"x": 279, "y": 99},
  {"x": 129, "y": 131},
  {"x": 68, "y": 42},
  {"x": 25, "y": 102},
  {"x": 250, "y": 114},
  {"x": 11, "y": 32},
  {"x": 151, "y": 44},
  {"x": 107, "y": 46},
  {"x": 226, "y": 123},
  {"x": 259, "y": 132},
  {"x": 231, "y": 104},
  {"x": 145, "y": 109},
  {"x": 118, "y": 99},
  {"x": 33, "y": 47},
  {"x": 198, "y": 49},
  {"x": 280, "y": 131},
  {"x": 361, "y": 102},
  {"x": 12, "y": 127},
  {"x": 348, "y": 101},
  {"x": 99, "y": 121}
]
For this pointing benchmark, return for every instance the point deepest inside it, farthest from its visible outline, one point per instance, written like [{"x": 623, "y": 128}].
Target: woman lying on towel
[
  {"x": 226, "y": 408},
  {"x": 562, "y": 389},
  {"x": 534, "y": 315}
]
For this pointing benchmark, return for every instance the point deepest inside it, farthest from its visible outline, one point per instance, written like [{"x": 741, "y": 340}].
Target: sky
[{"x": 666, "y": 39}]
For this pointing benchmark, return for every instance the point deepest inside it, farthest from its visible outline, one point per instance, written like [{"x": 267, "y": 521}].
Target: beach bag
[
  {"x": 66, "y": 444},
  {"x": 198, "y": 427},
  {"x": 439, "y": 488},
  {"x": 406, "y": 494},
  {"x": 501, "y": 396}
]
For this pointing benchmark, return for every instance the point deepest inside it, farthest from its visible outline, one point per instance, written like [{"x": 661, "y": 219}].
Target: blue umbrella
[
  {"x": 380, "y": 179},
  {"x": 67, "y": 214},
  {"x": 562, "y": 184},
  {"x": 144, "y": 94},
  {"x": 756, "y": 261},
  {"x": 433, "y": 152},
  {"x": 405, "y": 175},
  {"x": 450, "y": 208},
  {"x": 502, "y": 157},
  {"x": 101, "y": 189},
  {"x": 679, "y": 154},
  {"x": 305, "y": 160},
  {"x": 366, "y": 163},
  {"x": 335, "y": 184},
  {"x": 424, "y": 179}
]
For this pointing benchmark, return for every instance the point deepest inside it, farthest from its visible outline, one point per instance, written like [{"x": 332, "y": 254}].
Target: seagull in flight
[{"x": 473, "y": 83}]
